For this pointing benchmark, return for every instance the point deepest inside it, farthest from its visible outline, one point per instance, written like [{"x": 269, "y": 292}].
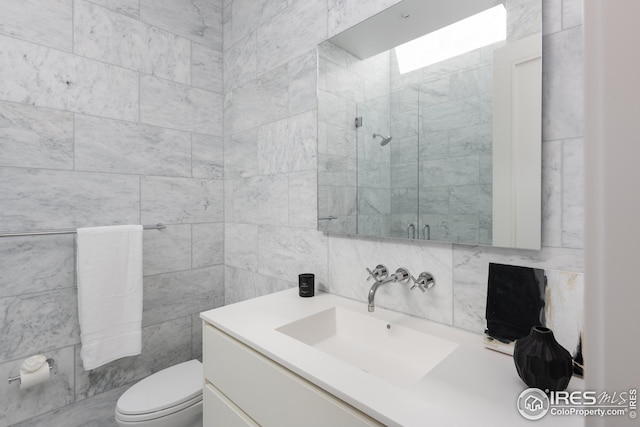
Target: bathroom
[{"x": 202, "y": 115}]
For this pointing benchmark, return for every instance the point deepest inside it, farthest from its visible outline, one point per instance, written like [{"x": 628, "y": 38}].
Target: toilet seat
[{"x": 163, "y": 393}]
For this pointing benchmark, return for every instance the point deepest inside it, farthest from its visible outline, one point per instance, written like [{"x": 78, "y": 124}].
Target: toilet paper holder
[{"x": 50, "y": 362}]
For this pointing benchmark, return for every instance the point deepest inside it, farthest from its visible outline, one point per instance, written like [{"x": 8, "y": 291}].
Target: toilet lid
[{"x": 163, "y": 389}]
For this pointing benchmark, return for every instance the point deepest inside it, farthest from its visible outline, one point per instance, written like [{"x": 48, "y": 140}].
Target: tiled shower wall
[
  {"x": 347, "y": 156},
  {"x": 110, "y": 113},
  {"x": 270, "y": 166}
]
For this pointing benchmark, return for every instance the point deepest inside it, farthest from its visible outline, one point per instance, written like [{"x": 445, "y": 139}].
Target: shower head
[{"x": 385, "y": 139}]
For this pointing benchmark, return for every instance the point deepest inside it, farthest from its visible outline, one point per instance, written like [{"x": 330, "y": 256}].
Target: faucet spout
[
  {"x": 372, "y": 292},
  {"x": 401, "y": 275}
]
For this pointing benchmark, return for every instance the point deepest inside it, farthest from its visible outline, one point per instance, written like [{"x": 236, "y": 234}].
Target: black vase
[{"x": 541, "y": 362}]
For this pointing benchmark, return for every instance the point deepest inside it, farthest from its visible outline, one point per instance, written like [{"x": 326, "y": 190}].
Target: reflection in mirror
[{"x": 444, "y": 149}]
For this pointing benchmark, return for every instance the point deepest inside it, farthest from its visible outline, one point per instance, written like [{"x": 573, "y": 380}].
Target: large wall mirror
[{"x": 429, "y": 124}]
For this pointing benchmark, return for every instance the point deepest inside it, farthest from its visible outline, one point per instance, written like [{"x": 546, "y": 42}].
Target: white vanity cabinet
[{"x": 244, "y": 388}]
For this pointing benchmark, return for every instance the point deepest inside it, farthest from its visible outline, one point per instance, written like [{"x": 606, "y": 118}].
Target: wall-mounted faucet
[
  {"x": 401, "y": 275},
  {"x": 381, "y": 276}
]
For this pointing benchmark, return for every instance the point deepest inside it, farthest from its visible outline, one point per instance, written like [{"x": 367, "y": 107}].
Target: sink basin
[{"x": 394, "y": 353}]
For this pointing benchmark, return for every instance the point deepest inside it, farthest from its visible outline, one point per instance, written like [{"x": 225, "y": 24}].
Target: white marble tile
[
  {"x": 551, "y": 16},
  {"x": 104, "y": 145},
  {"x": 46, "y": 22},
  {"x": 336, "y": 170},
  {"x": 573, "y": 193},
  {"x": 337, "y": 114},
  {"x": 344, "y": 14},
  {"x": 207, "y": 245},
  {"x": 241, "y": 284},
  {"x": 118, "y": 39},
  {"x": 207, "y": 154},
  {"x": 241, "y": 246},
  {"x": 175, "y": 295},
  {"x": 454, "y": 114},
  {"x": 240, "y": 63},
  {"x": 167, "y": 250},
  {"x": 375, "y": 224},
  {"x": 181, "y": 200},
  {"x": 258, "y": 200},
  {"x": 273, "y": 146},
  {"x": 227, "y": 23},
  {"x": 464, "y": 170},
  {"x": 471, "y": 269},
  {"x": 54, "y": 256},
  {"x": 336, "y": 201},
  {"x": 564, "y": 309},
  {"x": 169, "y": 104},
  {"x": 404, "y": 200},
  {"x": 241, "y": 154},
  {"x": 163, "y": 345},
  {"x": 285, "y": 252},
  {"x": 350, "y": 257},
  {"x": 303, "y": 203},
  {"x": 294, "y": 31},
  {"x": 302, "y": 83},
  {"x": 288, "y": 145},
  {"x": 470, "y": 200},
  {"x": 404, "y": 151},
  {"x": 246, "y": 16},
  {"x": 35, "y": 137},
  {"x": 562, "y": 85},
  {"x": 475, "y": 139},
  {"x": 572, "y": 13},
  {"x": 486, "y": 168},
  {"x": 552, "y": 193},
  {"x": 19, "y": 405},
  {"x": 37, "y": 199},
  {"x": 50, "y": 78},
  {"x": 337, "y": 141},
  {"x": 434, "y": 200},
  {"x": 341, "y": 225},
  {"x": 39, "y": 322},
  {"x": 524, "y": 18},
  {"x": 343, "y": 82},
  {"x": 373, "y": 201},
  {"x": 206, "y": 68},
  {"x": 197, "y": 20},
  {"x": 95, "y": 412},
  {"x": 471, "y": 80},
  {"x": 260, "y": 101},
  {"x": 126, "y": 7}
]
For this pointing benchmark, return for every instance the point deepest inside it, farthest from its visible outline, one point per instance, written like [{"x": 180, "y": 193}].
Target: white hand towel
[{"x": 109, "y": 275}]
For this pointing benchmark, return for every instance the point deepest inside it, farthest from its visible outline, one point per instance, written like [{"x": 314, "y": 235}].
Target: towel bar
[{"x": 66, "y": 231}]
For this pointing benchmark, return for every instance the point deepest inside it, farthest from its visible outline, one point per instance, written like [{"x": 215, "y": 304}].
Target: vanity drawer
[
  {"x": 220, "y": 411},
  {"x": 269, "y": 393}
]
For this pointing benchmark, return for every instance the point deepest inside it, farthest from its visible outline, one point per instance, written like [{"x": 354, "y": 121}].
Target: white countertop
[{"x": 473, "y": 386}]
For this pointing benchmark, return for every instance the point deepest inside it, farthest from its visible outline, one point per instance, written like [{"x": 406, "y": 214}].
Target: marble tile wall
[
  {"x": 461, "y": 270},
  {"x": 111, "y": 112},
  {"x": 349, "y": 87}
]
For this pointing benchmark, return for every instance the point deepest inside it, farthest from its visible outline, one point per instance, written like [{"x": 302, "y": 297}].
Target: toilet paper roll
[{"x": 38, "y": 376}]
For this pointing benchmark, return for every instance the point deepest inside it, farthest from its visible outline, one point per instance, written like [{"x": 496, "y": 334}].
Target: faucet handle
[
  {"x": 378, "y": 273},
  {"x": 424, "y": 281},
  {"x": 402, "y": 275}
]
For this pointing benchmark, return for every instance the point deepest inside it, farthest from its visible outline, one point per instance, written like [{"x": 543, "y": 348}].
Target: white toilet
[{"x": 169, "y": 398}]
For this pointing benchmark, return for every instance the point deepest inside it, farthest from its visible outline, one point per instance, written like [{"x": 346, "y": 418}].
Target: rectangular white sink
[{"x": 394, "y": 353}]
